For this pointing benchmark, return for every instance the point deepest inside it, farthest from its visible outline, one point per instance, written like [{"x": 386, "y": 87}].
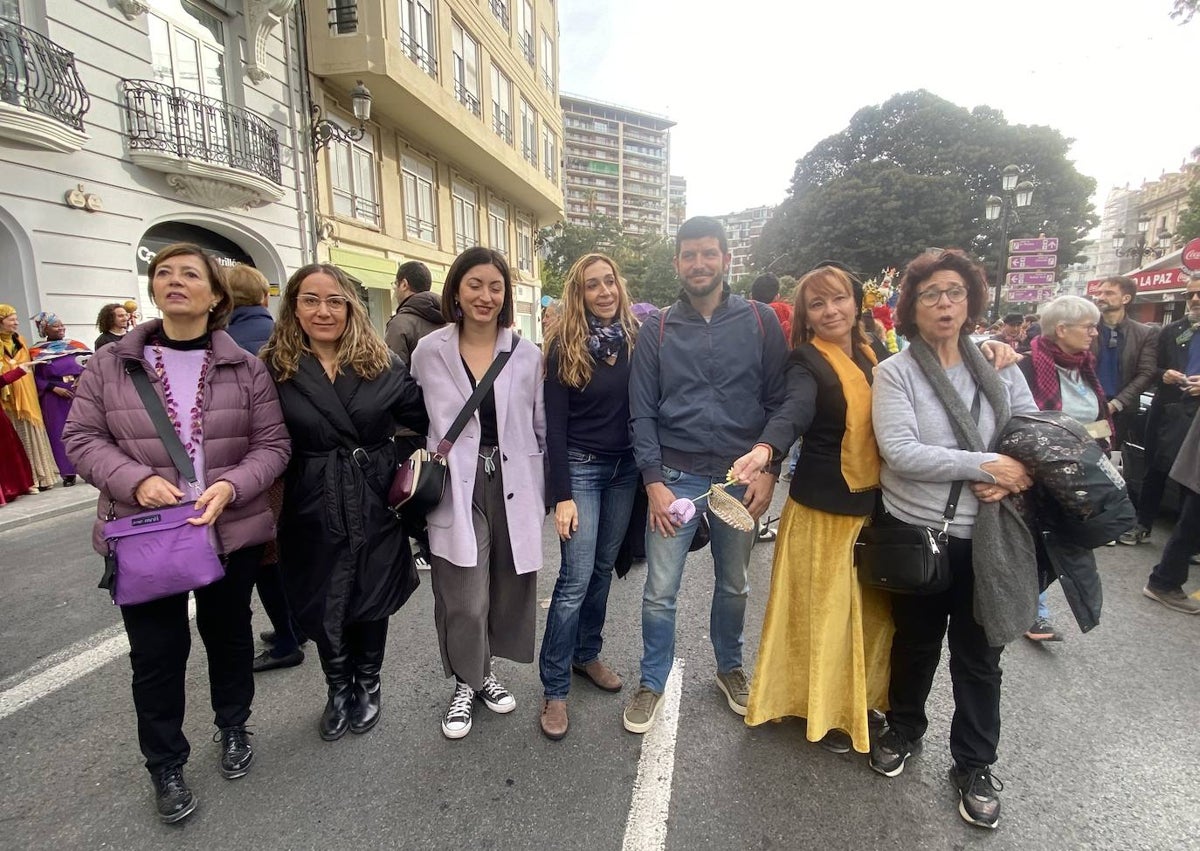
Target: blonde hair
[
  {"x": 824, "y": 280},
  {"x": 359, "y": 348},
  {"x": 248, "y": 285},
  {"x": 570, "y": 335}
]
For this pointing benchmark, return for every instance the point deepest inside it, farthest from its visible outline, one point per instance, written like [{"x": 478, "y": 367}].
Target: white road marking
[
  {"x": 66, "y": 666},
  {"x": 646, "y": 827}
]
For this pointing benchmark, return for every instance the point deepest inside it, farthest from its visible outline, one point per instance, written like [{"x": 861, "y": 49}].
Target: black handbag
[
  {"x": 903, "y": 558},
  {"x": 420, "y": 480}
]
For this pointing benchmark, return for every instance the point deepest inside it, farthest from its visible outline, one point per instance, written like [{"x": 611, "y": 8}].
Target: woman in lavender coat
[{"x": 224, "y": 407}]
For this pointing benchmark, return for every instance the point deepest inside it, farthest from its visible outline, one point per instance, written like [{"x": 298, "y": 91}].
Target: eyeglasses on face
[
  {"x": 310, "y": 303},
  {"x": 1088, "y": 327},
  {"x": 930, "y": 298}
]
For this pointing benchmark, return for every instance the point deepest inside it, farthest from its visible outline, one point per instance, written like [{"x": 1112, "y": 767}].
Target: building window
[
  {"x": 547, "y": 62},
  {"x": 498, "y": 225},
  {"x": 11, "y": 9},
  {"x": 343, "y": 17},
  {"x": 524, "y": 245},
  {"x": 529, "y": 133},
  {"x": 416, "y": 34},
  {"x": 420, "y": 212},
  {"x": 549, "y": 153},
  {"x": 466, "y": 69},
  {"x": 525, "y": 30},
  {"x": 500, "y": 12},
  {"x": 352, "y": 178},
  {"x": 189, "y": 52},
  {"x": 466, "y": 212},
  {"x": 502, "y": 105}
]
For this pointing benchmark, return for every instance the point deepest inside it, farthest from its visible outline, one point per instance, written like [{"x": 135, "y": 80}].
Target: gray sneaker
[
  {"x": 736, "y": 687},
  {"x": 1174, "y": 599},
  {"x": 1135, "y": 535},
  {"x": 642, "y": 711}
]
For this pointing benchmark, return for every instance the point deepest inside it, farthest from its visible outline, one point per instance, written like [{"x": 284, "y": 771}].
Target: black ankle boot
[
  {"x": 369, "y": 639},
  {"x": 336, "y": 718}
]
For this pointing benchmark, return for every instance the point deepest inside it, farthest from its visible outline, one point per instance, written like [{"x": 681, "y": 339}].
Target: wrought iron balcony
[
  {"x": 526, "y": 40},
  {"x": 217, "y": 154},
  {"x": 42, "y": 99},
  {"x": 502, "y": 124},
  {"x": 500, "y": 10},
  {"x": 466, "y": 98},
  {"x": 424, "y": 59}
]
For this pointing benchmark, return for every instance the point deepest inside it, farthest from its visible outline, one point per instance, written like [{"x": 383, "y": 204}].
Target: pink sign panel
[
  {"x": 1162, "y": 279},
  {"x": 1025, "y": 246},
  {"x": 1028, "y": 278},
  {"x": 1033, "y": 261}
]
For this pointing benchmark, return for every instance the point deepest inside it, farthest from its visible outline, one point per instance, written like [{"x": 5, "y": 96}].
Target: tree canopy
[
  {"x": 645, "y": 259},
  {"x": 914, "y": 173}
]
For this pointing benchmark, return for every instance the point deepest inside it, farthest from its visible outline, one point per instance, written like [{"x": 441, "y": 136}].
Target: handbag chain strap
[
  {"x": 162, "y": 423},
  {"x": 956, "y": 488},
  {"x": 468, "y": 410}
]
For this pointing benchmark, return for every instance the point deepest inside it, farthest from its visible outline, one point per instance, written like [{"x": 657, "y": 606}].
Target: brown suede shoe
[
  {"x": 601, "y": 676},
  {"x": 554, "y": 719}
]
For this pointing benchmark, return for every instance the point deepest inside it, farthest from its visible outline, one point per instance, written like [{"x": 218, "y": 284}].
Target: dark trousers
[
  {"x": 1172, "y": 571},
  {"x": 921, "y": 624},
  {"x": 160, "y": 639},
  {"x": 270, "y": 590},
  {"x": 1154, "y": 483}
]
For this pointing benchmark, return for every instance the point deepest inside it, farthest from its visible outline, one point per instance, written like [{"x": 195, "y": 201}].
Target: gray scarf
[{"x": 1006, "y": 578}]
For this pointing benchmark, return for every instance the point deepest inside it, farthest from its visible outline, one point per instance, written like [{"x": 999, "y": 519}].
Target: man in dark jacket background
[
  {"x": 419, "y": 312},
  {"x": 1126, "y": 352}
]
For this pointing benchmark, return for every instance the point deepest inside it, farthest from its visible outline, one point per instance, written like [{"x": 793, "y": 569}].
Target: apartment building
[
  {"x": 126, "y": 125},
  {"x": 462, "y": 146},
  {"x": 743, "y": 229},
  {"x": 676, "y": 204},
  {"x": 617, "y": 164}
]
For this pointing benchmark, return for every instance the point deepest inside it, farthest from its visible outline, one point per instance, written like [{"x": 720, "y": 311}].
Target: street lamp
[
  {"x": 1015, "y": 193},
  {"x": 1141, "y": 250},
  {"x": 325, "y": 131}
]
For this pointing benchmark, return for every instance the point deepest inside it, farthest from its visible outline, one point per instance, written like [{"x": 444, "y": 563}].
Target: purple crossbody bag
[{"x": 157, "y": 553}]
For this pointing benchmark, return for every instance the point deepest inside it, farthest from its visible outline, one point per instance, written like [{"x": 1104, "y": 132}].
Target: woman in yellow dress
[
  {"x": 824, "y": 652},
  {"x": 20, "y": 402}
]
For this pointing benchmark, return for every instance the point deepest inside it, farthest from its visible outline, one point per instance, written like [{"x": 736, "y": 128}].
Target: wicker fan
[{"x": 730, "y": 509}]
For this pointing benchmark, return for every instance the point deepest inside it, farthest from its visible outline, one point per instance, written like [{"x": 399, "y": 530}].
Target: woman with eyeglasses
[
  {"x": 1061, "y": 373},
  {"x": 349, "y": 566},
  {"x": 936, "y": 408}
]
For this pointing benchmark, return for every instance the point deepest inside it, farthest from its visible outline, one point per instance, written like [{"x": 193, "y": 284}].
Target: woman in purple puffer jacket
[{"x": 224, "y": 407}]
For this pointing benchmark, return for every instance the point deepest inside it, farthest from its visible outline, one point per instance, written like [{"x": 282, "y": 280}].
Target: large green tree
[
  {"x": 645, "y": 259},
  {"x": 914, "y": 173}
]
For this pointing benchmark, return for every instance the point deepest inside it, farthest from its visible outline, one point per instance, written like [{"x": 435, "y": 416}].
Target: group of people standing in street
[{"x": 296, "y": 426}]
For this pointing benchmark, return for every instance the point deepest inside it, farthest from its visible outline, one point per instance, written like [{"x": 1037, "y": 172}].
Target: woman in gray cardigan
[{"x": 926, "y": 447}]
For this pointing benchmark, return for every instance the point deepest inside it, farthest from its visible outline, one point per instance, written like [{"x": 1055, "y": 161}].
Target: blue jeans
[
  {"x": 665, "y": 558},
  {"x": 1043, "y": 607},
  {"x": 603, "y": 487}
]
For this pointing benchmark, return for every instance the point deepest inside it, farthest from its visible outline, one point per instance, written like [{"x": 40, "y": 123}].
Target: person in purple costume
[{"x": 58, "y": 363}]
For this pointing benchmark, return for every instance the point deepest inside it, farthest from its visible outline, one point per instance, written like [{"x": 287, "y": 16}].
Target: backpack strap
[{"x": 662, "y": 323}]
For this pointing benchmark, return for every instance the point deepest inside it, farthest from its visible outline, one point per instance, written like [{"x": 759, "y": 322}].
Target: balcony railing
[
  {"x": 425, "y": 60},
  {"x": 526, "y": 41},
  {"x": 548, "y": 82},
  {"x": 343, "y": 17},
  {"x": 530, "y": 154},
  {"x": 500, "y": 10},
  {"x": 502, "y": 124},
  {"x": 39, "y": 76},
  {"x": 466, "y": 98},
  {"x": 193, "y": 127}
]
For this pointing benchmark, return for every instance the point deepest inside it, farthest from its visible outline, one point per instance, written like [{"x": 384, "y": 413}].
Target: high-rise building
[
  {"x": 676, "y": 204},
  {"x": 463, "y": 145},
  {"x": 743, "y": 229},
  {"x": 617, "y": 164}
]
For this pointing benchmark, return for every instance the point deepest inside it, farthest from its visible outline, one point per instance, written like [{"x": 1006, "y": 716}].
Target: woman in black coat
[{"x": 343, "y": 394}]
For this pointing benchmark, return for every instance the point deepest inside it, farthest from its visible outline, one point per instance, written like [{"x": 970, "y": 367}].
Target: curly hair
[
  {"x": 218, "y": 317},
  {"x": 106, "y": 318},
  {"x": 360, "y": 347},
  {"x": 824, "y": 280},
  {"x": 570, "y": 334},
  {"x": 921, "y": 268}
]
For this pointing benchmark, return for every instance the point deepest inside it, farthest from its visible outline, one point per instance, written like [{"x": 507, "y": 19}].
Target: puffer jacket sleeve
[
  {"x": 270, "y": 445},
  {"x": 90, "y": 443}
]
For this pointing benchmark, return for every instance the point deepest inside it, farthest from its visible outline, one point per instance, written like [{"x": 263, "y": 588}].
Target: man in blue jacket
[{"x": 706, "y": 377}]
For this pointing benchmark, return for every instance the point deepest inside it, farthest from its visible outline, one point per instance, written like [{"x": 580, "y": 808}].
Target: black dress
[{"x": 346, "y": 556}]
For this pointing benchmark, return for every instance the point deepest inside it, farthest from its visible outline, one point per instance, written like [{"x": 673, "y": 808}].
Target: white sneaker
[
  {"x": 456, "y": 723},
  {"x": 496, "y": 697}
]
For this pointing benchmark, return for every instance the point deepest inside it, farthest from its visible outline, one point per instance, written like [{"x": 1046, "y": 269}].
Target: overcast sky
[{"x": 754, "y": 84}]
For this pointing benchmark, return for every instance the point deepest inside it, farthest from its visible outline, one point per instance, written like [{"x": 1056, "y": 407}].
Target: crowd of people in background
[{"x": 296, "y": 423}]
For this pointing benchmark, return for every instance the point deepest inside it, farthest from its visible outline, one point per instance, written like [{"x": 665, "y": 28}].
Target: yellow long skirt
[{"x": 826, "y": 641}]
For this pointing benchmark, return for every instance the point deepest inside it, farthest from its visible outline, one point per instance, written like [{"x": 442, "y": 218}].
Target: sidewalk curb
[{"x": 42, "y": 512}]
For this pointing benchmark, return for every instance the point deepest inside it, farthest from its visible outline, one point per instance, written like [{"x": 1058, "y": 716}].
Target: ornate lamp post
[
  {"x": 1013, "y": 194},
  {"x": 325, "y": 131},
  {"x": 1140, "y": 250}
]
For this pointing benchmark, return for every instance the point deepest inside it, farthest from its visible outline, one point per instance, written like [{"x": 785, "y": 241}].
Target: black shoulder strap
[
  {"x": 956, "y": 488},
  {"x": 468, "y": 410},
  {"x": 162, "y": 423}
]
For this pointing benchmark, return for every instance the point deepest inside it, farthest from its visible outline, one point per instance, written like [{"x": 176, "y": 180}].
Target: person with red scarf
[{"x": 1061, "y": 372}]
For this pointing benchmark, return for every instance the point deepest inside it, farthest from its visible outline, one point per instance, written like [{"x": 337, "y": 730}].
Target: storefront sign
[
  {"x": 1191, "y": 255},
  {"x": 1160, "y": 279}
]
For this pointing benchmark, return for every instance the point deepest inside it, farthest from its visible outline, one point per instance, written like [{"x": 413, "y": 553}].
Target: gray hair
[{"x": 1068, "y": 310}]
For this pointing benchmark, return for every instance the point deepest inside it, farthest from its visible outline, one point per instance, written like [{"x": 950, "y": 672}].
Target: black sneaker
[
  {"x": 890, "y": 751},
  {"x": 456, "y": 723},
  {"x": 236, "y": 753},
  {"x": 978, "y": 795},
  {"x": 172, "y": 797}
]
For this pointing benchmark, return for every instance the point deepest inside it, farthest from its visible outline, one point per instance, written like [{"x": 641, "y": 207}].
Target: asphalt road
[{"x": 1097, "y": 749}]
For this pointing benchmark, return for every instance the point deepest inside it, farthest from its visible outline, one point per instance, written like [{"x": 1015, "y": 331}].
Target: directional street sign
[
  {"x": 1026, "y": 246},
  {"x": 1025, "y": 279},
  {"x": 1028, "y": 295},
  {"x": 1033, "y": 261}
]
